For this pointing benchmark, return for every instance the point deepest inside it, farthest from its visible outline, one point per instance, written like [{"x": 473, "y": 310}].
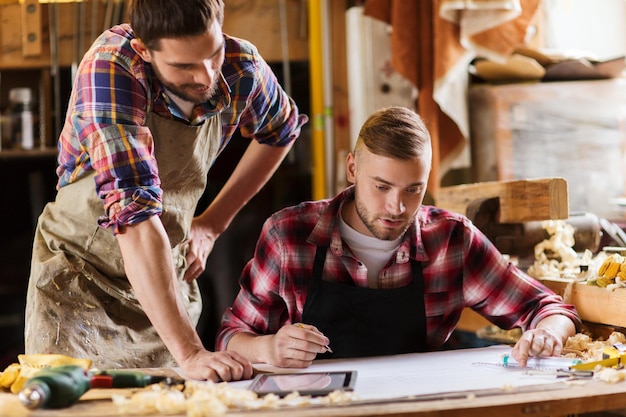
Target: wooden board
[
  {"x": 520, "y": 200},
  {"x": 594, "y": 304},
  {"x": 31, "y": 28}
]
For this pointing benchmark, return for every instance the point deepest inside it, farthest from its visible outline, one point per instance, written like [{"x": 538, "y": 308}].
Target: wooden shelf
[{"x": 26, "y": 154}]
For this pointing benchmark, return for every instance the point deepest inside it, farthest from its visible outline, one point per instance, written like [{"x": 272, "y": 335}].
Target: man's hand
[
  {"x": 201, "y": 241},
  {"x": 547, "y": 339},
  {"x": 295, "y": 346},
  {"x": 217, "y": 366},
  {"x": 537, "y": 342},
  {"x": 253, "y": 171}
]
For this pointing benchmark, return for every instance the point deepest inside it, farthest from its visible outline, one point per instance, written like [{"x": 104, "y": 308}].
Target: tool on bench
[
  {"x": 557, "y": 366},
  {"x": 62, "y": 386},
  {"x": 612, "y": 357}
]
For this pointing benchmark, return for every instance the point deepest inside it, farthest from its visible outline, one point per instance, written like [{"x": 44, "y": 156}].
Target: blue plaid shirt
[{"x": 112, "y": 94}]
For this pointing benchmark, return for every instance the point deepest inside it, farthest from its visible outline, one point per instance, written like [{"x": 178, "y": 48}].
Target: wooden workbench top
[{"x": 559, "y": 399}]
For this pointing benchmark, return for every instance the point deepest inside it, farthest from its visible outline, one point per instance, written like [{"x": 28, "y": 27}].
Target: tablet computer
[{"x": 305, "y": 383}]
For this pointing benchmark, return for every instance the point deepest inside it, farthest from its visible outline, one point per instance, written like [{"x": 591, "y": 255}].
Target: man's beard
[
  {"x": 380, "y": 232},
  {"x": 189, "y": 92}
]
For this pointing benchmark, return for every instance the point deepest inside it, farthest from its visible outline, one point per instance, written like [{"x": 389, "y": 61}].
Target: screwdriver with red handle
[{"x": 62, "y": 386}]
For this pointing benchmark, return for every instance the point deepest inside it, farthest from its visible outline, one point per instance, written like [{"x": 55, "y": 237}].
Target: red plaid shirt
[{"x": 461, "y": 269}]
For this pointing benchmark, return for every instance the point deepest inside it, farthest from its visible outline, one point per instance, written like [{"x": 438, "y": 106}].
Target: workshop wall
[{"x": 278, "y": 28}]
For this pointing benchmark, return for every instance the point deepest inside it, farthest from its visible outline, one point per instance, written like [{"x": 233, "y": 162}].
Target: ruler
[{"x": 558, "y": 371}]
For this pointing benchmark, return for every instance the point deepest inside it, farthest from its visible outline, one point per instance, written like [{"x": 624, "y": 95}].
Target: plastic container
[{"x": 23, "y": 118}]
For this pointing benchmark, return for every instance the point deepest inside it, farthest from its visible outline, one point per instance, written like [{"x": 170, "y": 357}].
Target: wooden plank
[
  {"x": 520, "y": 200},
  {"x": 594, "y": 304},
  {"x": 12, "y": 26},
  {"x": 14, "y": 35},
  {"x": 31, "y": 28}
]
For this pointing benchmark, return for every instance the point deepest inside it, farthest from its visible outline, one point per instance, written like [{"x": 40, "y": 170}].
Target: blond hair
[{"x": 395, "y": 132}]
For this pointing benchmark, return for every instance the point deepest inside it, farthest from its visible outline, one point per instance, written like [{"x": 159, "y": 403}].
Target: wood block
[
  {"x": 594, "y": 304},
  {"x": 11, "y": 39},
  {"x": 520, "y": 200}
]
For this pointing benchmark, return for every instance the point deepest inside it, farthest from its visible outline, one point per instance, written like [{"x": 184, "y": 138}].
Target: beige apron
[{"x": 79, "y": 301}]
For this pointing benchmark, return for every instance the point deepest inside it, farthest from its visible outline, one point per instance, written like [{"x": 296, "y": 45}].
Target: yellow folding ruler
[{"x": 612, "y": 357}]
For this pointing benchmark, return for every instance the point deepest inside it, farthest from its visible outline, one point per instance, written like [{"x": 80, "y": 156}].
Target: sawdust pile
[
  {"x": 555, "y": 256},
  {"x": 209, "y": 399},
  {"x": 583, "y": 347}
]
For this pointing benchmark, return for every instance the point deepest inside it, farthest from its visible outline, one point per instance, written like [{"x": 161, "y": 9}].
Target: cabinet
[{"x": 574, "y": 129}]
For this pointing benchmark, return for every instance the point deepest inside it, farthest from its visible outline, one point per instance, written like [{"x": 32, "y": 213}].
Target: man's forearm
[
  {"x": 251, "y": 346},
  {"x": 254, "y": 170},
  {"x": 149, "y": 266}
]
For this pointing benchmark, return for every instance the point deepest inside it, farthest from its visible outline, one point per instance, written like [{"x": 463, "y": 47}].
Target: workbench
[
  {"x": 522, "y": 395},
  {"x": 594, "y": 396}
]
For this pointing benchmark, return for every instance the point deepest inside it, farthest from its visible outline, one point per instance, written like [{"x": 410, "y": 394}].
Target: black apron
[{"x": 361, "y": 321}]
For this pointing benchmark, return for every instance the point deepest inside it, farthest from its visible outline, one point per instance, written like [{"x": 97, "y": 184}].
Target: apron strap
[{"x": 316, "y": 277}]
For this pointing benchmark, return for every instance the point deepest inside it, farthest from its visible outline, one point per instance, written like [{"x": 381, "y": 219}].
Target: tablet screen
[{"x": 306, "y": 383}]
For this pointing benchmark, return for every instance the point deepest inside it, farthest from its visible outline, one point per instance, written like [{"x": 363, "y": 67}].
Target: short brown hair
[
  {"x": 153, "y": 20},
  {"x": 395, "y": 132}
]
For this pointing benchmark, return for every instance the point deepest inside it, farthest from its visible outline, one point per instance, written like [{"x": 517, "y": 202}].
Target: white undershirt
[
  {"x": 374, "y": 253},
  {"x": 186, "y": 107}
]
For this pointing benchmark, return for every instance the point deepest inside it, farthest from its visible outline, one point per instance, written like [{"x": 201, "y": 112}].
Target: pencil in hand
[{"x": 328, "y": 349}]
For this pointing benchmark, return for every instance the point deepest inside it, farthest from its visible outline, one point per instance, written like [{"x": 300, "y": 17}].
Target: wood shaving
[
  {"x": 555, "y": 256},
  {"x": 208, "y": 399},
  {"x": 610, "y": 375},
  {"x": 582, "y": 346}
]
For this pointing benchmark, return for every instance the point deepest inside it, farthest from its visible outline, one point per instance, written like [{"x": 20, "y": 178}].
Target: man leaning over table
[
  {"x": 374, "y": 272},
  {"x": 116, "y": 255}
]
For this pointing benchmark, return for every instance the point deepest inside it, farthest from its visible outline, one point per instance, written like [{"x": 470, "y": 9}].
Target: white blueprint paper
[{"x": 419, "y": 374}]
